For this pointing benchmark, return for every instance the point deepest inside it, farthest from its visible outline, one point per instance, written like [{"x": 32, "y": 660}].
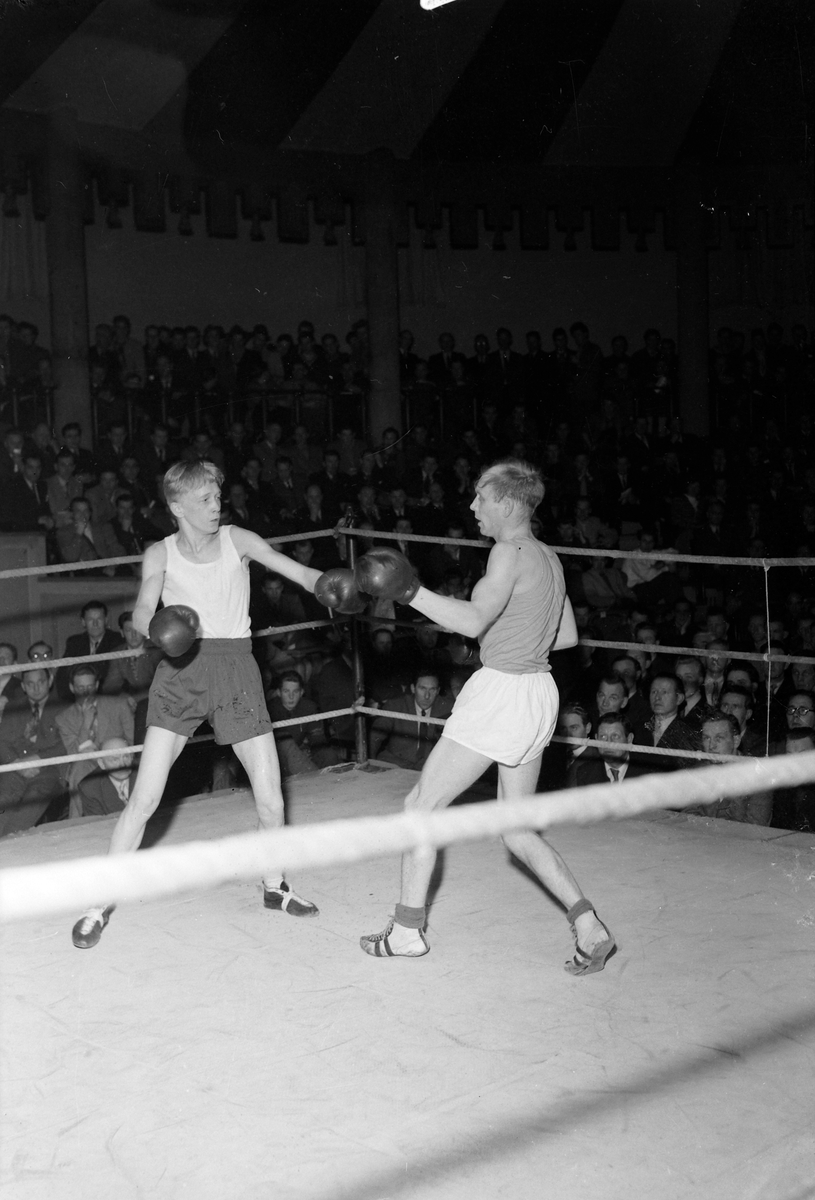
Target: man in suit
[
  {"x": 107, "y": 789},
  {"x": 154, "y": 457},
  {"x": 666, "y": 729},
  {"x": 613, "y": 762},
  {"x": 113, "y": 449},
  {"x": 132, "y": 677},
  {"x": 89, "y": 722},
  {"x": 24, "y": 500},
  {"x": 407, "y": 741},
  {"x": 506, "y": 372},
  {"x": 29, "y": 731},
  {"x": 439, "y": 366},
  {"x": 85, "y": 540},
  {"x": 62, "y": 488},
  {"x": 97, "y": 639}
]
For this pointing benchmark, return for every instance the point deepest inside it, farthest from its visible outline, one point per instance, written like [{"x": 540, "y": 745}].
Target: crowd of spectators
[{"x": 621, "y": 474}]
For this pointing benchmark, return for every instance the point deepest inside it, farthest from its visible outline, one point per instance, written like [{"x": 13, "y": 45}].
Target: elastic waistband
[{"x": 225, "y": 646}]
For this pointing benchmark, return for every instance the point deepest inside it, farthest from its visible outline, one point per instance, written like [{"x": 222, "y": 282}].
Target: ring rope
[
  {"x": 57, "y": 887},
  {"x": 59, "y": 760},
  {"x": 432, "y": 539}
]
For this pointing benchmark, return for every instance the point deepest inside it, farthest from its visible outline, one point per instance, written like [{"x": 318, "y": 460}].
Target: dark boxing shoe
[{"x": 283, "y": 899}]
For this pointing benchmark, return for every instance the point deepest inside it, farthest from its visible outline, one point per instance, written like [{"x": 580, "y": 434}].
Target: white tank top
[{"x": 218, "y": 591}]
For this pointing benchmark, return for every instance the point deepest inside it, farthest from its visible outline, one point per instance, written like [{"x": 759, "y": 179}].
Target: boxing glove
[
  {"x": 174, "y": 629},
  {"x": 337, "y": 589},
  {"x": 386, "y": 573}
]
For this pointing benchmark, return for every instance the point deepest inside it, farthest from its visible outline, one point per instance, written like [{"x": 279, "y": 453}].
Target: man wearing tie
[
  {"x": 88, "y": 723},
  {"x": 29, "y": 731},
  {"x": 407, "y": 741},
  {"x": 439, "y": 366},
  {"x": 24, "y": 500},
  {"x": 613, "y": 764},
  {"x": 97, "y": 639}
]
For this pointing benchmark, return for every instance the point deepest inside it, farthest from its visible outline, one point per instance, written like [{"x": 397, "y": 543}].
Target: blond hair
[
  {"x": 513, "y": 479},
  {"x": 183, "y": 477}
]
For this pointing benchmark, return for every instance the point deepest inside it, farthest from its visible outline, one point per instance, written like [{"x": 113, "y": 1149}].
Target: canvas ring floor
[{"x": 209, "y": 1048}]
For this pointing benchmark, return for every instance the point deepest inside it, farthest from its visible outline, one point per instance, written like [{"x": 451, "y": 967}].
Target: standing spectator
[
  {"x": 666, "y": 728},
  {"x": 129, "y": 351},
  {"x": 24, "y": 504},
  {"x": 62, "y": 488}
]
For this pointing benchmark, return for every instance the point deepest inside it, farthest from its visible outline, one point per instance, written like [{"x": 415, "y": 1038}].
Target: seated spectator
[
  {"x": 794, "y": 808},
  {"x": 102, "y": 497},
  {"x": 407, "y": 741},
  {"x": 432, "y": 514},
  {"x": 24, "y": 504},
  {"x": 652, "y": 581},
  {"x": 39, "y": 652},
  {"x": 131, "y": 530},
  {"x": 721, "y": 735},
  {"x": 637, "y": 708},
  {"x": 62, "y": 488},
  {"x": 611, "y": 695},
  {"x": 590, "y": 530},
  {"x": 89, "y": 722},
  {"x": 10, "y": 691},
  {"x": 737, "y": 701},
  {"x": 677, "y": 630},
  {"x": 716, "y": 664},
  {"x": 773, "y": 693},
  {"x": 107, "y": 789},
  {"x": 300, "y": 748},
  {"x": 84, "y": 462},
  {"x": 564, "y": 770},
  {"x": 696, "y": 708},
  {"x": 30, "y": 732},
  {"x": 334, "y": 688},
  {"x": 384, "y": 670},
  {"x": 86, "y": 541},
  {"x": 97, "y": 639},
  {"x": 666, "y": 728},
  {"x": 612, "y": 762},
  {"x": 334, "y": 485},
  {"x": 440, "y": 559},
  {"x": 132, "y": 676},
  {"x": 113, "y": 449},
  {"x": 604, "y": 585}
]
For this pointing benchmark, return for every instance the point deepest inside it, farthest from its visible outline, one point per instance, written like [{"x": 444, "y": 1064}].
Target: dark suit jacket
[
  {"x": 438, "y": 370},
  {"x": 408, "y": 742},
  {"x": 80, "y": 643},
  {"x": 27, "y": 798},
  {"x": 593, "y": 770},
  {"x": 21, "y": 507},
  {"x": 99, "y": 796}
]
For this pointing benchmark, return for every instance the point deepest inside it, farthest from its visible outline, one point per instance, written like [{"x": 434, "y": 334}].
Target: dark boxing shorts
[{"x": 217, "y": 681}]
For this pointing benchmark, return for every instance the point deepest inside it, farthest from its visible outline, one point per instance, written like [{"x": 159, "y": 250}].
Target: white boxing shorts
[{"x": 508, "y": 718}]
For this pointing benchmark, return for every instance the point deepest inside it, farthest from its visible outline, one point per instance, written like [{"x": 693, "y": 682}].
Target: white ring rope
[{"x": 58, "y": 887}]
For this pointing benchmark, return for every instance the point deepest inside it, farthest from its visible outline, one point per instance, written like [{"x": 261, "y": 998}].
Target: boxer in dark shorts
[{"x": 204, "y": 569}]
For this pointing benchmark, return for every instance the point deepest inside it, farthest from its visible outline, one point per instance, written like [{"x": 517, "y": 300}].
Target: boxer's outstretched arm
[
  {"x": 250, "y": 545},
  {"x": 153, "y": 567},
  {"x": 490, "y": 596}
]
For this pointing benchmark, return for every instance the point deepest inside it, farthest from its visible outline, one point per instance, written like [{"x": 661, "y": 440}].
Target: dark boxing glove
[
  {"x": 386, "y": 573},
  {"x": 174, "y": 629},
  {"x": 337, "y": 589}
]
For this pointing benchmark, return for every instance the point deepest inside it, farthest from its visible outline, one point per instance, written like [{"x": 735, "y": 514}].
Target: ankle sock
[{"x": 411, "y": 918}]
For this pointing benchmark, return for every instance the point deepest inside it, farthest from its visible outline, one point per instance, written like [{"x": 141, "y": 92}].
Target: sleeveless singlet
[
  {"x": 519, "y": 640},
  {"x": 218, "y": 591}
]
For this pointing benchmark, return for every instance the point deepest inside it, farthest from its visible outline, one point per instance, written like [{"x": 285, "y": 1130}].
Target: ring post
[{"x": 360, "y": 723}]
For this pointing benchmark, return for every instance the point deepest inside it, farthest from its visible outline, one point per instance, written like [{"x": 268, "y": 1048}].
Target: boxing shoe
[
  {"x": 379, "y": 945},
  {"x": 88, "y": 929},
  {"x": 283, "y": 899},
  {"x": 386, "y": 573}
]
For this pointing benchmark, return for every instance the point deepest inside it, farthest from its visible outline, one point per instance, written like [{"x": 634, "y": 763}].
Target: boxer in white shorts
[{"x": 506, "y": 712}]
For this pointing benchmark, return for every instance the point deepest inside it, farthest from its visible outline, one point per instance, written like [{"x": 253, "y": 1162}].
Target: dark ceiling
[{"x": 509, "y": 102}]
